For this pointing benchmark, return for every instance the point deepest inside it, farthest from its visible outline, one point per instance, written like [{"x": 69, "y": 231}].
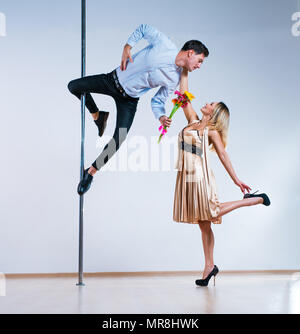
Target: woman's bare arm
[
  {"x": 189, "y": 112},
  {"x": 224, "y": 158}
]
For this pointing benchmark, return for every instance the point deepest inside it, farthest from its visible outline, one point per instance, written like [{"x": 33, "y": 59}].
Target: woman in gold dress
[{"x": 196, "y": 198}]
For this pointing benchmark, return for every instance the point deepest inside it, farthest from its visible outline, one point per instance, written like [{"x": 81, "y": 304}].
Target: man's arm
[
  {"x": 158, "y": 105},
  {"x": 147, "y": 32},
  {"x": 151, "y": 34},
  {"x": 125, "y": 56}
]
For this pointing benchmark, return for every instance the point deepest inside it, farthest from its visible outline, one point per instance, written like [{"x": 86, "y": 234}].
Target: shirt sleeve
[
  {"x": 159, "y": 99},
  {"x": 149, "y": 33}
]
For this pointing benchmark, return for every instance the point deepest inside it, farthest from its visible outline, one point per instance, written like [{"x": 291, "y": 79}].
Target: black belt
[
  {"x": 118, "y": 85},
  {"x": 191, "y": 148}
]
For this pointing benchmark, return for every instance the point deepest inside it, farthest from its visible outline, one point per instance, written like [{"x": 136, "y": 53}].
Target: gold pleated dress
[{"x": 195, "y": 197}]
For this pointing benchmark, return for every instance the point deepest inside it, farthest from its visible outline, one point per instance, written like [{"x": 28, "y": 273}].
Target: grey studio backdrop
[{"x": 253, "y": 67}]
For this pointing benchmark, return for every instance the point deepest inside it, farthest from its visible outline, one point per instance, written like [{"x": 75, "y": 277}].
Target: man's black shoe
[
  {"x": 85, "y": 184},
  {"x": 101, "y": 122}
]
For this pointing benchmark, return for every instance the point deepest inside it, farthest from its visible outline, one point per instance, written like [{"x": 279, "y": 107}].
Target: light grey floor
[{"x": 233, "y": 293}]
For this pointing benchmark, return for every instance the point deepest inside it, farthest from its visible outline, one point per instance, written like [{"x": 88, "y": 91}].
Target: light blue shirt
[{"x": 152, "y": 67}]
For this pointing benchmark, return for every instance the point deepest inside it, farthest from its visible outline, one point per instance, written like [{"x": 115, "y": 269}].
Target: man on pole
[{"x": 157, "y": 65}]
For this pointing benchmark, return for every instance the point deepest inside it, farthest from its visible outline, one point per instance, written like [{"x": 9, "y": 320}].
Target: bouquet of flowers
[{"x": 181, "y": 101}]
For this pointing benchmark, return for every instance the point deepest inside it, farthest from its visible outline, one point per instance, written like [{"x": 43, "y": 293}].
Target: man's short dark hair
[{"x": 197, "y": 46}]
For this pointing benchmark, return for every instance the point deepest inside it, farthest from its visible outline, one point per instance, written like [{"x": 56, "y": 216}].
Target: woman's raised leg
[{"x": 227, "y": 207}]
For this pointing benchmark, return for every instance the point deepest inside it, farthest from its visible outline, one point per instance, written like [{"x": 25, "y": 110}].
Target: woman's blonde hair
[{"x": 220, "y": 122}]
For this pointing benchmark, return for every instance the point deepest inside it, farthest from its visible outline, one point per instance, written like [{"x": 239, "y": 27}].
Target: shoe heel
[{"x": 214, "y": 280}]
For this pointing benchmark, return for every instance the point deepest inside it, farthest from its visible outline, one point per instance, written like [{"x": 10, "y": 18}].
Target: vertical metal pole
[{"x": 83, "y": 65}]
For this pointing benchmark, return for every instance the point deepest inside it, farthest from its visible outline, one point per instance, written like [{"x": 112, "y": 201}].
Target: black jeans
[{"x": 126, "y": 108}]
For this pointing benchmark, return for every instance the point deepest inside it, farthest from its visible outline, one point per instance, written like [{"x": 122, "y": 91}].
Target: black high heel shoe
[
  {"x": 204, "y": 282},
  {"x": 265, "y": 197}
]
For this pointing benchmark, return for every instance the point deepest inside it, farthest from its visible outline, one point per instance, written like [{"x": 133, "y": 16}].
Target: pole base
[{"x": 80, "y": 284}]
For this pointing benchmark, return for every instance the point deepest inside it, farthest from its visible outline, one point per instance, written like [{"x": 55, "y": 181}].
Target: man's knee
[{"x": 72, "y": 86}]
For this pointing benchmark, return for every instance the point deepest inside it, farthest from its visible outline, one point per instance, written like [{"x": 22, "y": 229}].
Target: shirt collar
[{"x": 178, "y": 68}]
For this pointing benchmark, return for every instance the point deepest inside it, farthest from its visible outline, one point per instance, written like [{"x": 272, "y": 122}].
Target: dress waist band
[{"x": 191, "y": 148}]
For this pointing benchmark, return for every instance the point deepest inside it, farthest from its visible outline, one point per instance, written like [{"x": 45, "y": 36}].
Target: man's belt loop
[{"x": 117, "y": 84}]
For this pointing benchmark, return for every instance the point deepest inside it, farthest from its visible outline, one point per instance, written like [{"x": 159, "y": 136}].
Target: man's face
[{"x": 194, "y": 61}]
